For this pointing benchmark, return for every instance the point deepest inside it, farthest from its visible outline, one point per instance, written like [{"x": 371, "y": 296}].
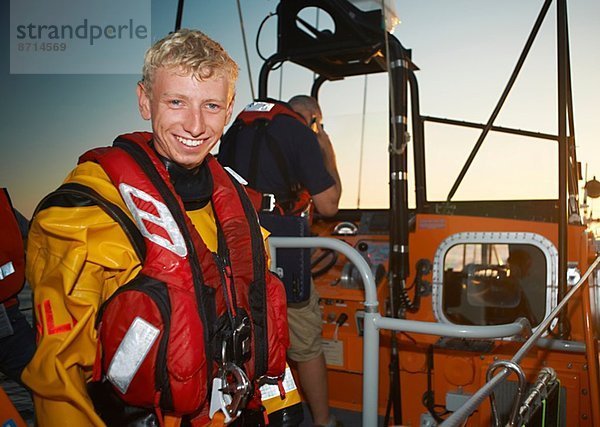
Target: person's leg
[
  {"x": 305, "y": 324},
  {"x": 313, "y": 378},
  {"x": 16, "y": 350}
]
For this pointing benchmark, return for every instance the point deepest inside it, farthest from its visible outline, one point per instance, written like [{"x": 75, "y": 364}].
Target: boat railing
[
  {"x": 460, "y": 415},
  {"x": 373, "y": 322}
]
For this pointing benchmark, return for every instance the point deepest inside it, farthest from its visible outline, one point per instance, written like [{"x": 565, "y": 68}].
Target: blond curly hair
[{"x": 193, "y": 52}]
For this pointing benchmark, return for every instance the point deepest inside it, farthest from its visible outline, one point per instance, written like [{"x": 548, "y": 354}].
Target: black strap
[
  {"x": 260, "y": 127},
  {"x": 257, "y": 297},
  {"x": 275, "y": 149},
  {"x": 227, "y": 148},
  {"x": 77, "y": 195},
  {"x": 261, "y": 134}
]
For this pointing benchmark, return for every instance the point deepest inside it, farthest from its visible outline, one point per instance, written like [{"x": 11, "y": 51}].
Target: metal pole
[
  {"x": 373, "y": 320},
  {"x": 418, "y": 142},
  {"x": 563, "y": 163},
  {"x": 370, "y": 369},
  {"x": 509, "y": 85},
  {"x": 179, "y": 15}
]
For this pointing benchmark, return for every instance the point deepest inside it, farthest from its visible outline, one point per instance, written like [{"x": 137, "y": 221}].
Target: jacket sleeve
[{"x": 77, "y": 257}]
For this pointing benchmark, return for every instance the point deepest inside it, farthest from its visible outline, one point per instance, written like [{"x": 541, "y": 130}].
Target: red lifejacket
[
  {"x": 12, "y": 254},
  {"x": 191, "y": 300},
  {"x": 259, "y": 114}
]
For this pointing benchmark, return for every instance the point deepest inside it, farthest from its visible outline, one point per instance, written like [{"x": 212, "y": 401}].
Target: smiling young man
[{"x": 201, "y": 245}]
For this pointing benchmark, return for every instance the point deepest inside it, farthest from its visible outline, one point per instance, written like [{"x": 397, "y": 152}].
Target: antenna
[{"x": 179, "y": 15}]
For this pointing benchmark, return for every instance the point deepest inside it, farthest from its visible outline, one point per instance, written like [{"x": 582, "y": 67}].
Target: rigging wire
[
  {"x": 280, "y": 80},
  {"x": 317, "y": 27},
  {"x": 239, "y": 7},
  {"x": 362, "y": 142}
]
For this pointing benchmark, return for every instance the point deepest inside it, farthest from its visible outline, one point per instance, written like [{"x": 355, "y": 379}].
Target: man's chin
[{"x": 190, "y": 163}]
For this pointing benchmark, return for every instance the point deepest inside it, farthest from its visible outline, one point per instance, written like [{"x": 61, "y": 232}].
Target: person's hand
[{"x": 322, "y": 137}]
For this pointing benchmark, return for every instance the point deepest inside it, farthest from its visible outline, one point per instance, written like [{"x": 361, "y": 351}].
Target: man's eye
[
  {"x": 176, "y": 102},
  {"x": 213, "y": 107}
]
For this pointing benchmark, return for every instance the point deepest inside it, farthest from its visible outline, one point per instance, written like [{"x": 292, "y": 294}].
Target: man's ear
[
  {"x": 230, "y": 109},
  {"x": 143, "y": 101}
]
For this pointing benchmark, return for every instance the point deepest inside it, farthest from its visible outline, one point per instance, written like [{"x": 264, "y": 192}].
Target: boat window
[
  {"x": 496, "y": 172},
  {"x": 492, "y": 283}
]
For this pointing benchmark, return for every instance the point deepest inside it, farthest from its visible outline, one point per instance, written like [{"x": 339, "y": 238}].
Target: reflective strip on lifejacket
[
  {"x": 131, "y": 353},
  {"x": 236, "y": 175},
  {"x": 6, "y": 270},
  {"x": 268, "y": 391},
  {"x": 259, "y": 106},
  {"x": 271, "y": 395}
]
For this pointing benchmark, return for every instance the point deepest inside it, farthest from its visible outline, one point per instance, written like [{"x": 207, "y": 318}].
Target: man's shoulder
[
  {"x": 90, "y": 174},
  {"x": 87, "y": 172},
  {"x": 293, "y": 128}
]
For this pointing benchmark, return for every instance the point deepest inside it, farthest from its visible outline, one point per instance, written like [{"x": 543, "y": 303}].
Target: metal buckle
[
  {"x": 230, "y": 389},
  {"x": 268, "y": 199}
]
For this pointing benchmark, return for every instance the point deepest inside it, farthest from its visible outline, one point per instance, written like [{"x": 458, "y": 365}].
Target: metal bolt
[
  {"x": 482, "y": 357},
  {"x": 584, "y": 416},
  {"x": 569, "y": 365},
  {"x": 585, "y": 366},
  {"x": 495, "y": 358},
  {"x": 584, "y": 391}
]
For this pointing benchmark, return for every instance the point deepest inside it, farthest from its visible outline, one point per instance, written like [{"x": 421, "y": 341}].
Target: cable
[
  {"x": 245, "y": 48},
  {"x": 362, "y": 142},
  {"x": 265, "y": 19}
]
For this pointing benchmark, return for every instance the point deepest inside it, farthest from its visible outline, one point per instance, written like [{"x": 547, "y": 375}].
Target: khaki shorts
[{"x": 305, "y": 324}]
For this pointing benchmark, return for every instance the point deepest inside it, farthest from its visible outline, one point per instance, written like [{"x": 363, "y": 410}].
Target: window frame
[{"x": 522, "y": 238}]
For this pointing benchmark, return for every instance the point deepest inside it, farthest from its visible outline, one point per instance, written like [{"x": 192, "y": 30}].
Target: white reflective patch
[
  {"x": 164, "y": 220},
  {"x": 259, "y": 106},
  {"x": 6, "y": 270},
  {"x": 131, "y": 353},
  {"x": 236, "y": 175},
  {"x": 268, "y": 391}
]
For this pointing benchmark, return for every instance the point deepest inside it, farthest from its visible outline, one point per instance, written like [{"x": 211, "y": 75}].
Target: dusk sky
[{"x": 465, "y": 50}]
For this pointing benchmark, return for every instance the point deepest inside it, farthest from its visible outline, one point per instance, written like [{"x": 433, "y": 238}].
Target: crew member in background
[
  {"x": 17, "y": 339},
  {"x": 304, "y": 159}
]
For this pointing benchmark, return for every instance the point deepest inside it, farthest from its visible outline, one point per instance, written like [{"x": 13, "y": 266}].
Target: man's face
[{"x": 188, "y": 115}]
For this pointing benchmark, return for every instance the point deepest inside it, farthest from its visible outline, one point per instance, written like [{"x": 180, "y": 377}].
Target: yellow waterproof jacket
[{"x": 76, "y": 258}]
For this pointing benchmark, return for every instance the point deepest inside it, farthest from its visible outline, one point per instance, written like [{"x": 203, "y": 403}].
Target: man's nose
[{"x": 194, "y": 123}]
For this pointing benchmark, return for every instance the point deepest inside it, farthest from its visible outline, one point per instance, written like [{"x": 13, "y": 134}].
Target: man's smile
[{"x": 190, "y": 142}]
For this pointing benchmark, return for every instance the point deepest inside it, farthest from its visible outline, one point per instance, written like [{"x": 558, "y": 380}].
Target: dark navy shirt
[{"x": 299, "y": 146}]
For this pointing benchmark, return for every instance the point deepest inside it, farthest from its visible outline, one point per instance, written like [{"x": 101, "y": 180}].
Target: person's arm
[
  {"x": 326, "y": 202},
  {"x": 75, "y": 261}
]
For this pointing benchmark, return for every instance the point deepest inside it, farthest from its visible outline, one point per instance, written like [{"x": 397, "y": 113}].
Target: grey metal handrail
[
  {"x": 458, "y": 417},
  {"x": 373, "y": 321}
]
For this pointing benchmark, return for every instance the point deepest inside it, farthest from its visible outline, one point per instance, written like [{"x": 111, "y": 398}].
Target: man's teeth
[{"x": 190, "y": 142}]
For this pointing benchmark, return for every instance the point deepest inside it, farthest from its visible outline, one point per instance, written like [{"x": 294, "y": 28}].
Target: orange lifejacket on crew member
[{"x": 258, "y": 115}]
